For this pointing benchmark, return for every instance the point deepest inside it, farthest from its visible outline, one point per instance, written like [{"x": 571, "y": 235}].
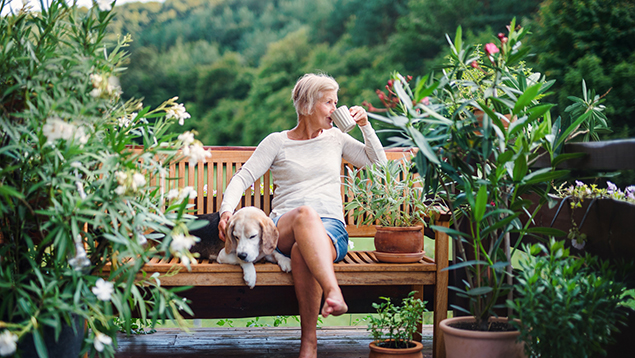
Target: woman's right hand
[{"x": 222, "y": 224}]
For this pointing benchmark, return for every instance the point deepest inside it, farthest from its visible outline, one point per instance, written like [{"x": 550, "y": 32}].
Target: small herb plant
[
  {"x": 580, "y": 192},
  {"x": 391, "y": 194},
  {"x": 394, "y": 326},
  {"x": 567, "y": 305}
]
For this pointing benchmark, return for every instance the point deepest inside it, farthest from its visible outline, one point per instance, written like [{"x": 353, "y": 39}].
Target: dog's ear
[
  {"x": 269, "y": 235},
  {"x": 230, "y": 240}
]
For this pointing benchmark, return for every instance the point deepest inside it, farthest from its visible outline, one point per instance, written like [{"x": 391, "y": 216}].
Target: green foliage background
[{"x": 234, "y": 62}]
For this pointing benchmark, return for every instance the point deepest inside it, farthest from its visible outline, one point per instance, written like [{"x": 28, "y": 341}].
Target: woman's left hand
[{"x": 359, "y": 115}]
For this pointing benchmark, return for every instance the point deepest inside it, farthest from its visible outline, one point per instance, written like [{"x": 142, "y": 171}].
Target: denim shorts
[{"x": 336, "y": 231}]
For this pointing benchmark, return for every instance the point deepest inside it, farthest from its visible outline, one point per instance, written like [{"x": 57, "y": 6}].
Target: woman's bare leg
[{"x": 302, "y": 234}]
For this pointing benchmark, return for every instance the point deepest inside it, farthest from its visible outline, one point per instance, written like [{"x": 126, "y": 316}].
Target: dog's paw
[
  {"x": 249, "y": 275},
  {"x": 284, "y": 263}
]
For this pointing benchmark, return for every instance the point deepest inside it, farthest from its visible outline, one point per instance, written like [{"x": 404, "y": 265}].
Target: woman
[{"x": 307, "y": 208}]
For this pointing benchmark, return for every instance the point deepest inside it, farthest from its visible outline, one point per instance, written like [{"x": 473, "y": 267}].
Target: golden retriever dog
[{"x": 250, "y": 237}]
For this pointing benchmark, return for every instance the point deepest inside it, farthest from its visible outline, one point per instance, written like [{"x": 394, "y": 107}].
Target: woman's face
[{"x": 323, "y": 109}]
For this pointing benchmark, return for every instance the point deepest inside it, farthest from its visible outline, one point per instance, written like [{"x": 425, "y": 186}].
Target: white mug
[{"x": 343, "y": 119}]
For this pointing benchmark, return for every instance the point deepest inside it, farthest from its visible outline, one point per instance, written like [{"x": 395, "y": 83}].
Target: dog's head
[{"x": 250, "y": 232}]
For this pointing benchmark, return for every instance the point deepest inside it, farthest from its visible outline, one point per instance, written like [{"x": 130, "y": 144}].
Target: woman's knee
[{"x": 306, "y": 214}]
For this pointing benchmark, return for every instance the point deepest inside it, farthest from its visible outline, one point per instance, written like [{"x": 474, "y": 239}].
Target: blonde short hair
[{"x": 309, "y": 89}]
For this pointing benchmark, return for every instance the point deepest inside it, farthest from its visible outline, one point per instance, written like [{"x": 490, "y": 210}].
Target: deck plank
[{"x": 260, "y": 342}]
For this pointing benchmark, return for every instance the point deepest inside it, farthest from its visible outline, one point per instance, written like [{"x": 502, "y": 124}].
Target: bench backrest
[{"x": 210, "y": 178}]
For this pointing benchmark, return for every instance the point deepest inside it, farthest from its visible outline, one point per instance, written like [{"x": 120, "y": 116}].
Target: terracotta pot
[
  {"x": 462, "y": 343},
  {"x": 399, "y": 244},
  {"x": 399, "y": 239},
  {"x": 381, "y": 352},
  {"x": 479, "y": 116}
]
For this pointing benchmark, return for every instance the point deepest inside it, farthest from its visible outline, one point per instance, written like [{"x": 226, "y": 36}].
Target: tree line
[{"x": 234, "y": 62}]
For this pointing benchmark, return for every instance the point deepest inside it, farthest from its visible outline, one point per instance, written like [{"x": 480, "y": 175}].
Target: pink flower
[{"x": 490, "y": 48}]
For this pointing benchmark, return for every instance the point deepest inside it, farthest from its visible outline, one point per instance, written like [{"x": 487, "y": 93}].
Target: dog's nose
[{"x": 242, "y": 256}]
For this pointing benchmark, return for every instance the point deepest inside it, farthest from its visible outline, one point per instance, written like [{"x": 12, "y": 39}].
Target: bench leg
[
  {"x": 441, "y": 248},
  {"x": 418, "y": 334}
]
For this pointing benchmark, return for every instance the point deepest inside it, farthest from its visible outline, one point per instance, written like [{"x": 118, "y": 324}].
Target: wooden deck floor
[{"x": 266, "y": 342}]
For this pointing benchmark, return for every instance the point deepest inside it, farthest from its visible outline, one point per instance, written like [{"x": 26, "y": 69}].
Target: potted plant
[
  {"x": 391, "y": 195},
  {"x": 74, "y": 195},
  {"x": 597, "y": 220},
  {"x": 483, "y": 167},
  {"x": 394, "y": 327},
  {"x": 568, "y": 306}
]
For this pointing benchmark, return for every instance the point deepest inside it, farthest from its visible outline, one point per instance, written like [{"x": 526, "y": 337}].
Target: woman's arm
[
  {"x": 255, "y": 167},
  {"x": 362, "y": 154}
]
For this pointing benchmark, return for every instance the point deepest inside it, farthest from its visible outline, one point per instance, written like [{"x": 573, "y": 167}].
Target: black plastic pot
[{"x": 68, "y": 345}]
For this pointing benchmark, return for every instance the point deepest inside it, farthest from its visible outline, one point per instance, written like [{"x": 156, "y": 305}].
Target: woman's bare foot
[{"x": 334, "y": 307}]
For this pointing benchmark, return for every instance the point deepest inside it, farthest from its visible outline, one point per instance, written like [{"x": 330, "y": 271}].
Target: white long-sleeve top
[{"x": 305, "y": 172}]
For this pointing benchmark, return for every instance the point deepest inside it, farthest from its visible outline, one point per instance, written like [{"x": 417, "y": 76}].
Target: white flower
[
  {"x": 8, "y": 344},
  {"x": 177, "y": 111},
  {"x": 578, "y": 244},
  {"x": 185, "y": 260},
  {"x": 197, "y": 153},
  {"x": 104, "y": 5},
  {"x": 173, "y": 194},
  {"x": 182, "y": 242},
  {"x": 80, "y": 261},
  {"x": 120, "y": 190},
  {"x": 630, "y": 192},
  {"x": 80, "y": 189},
  {"x": 55, "y": 129},
  {"x": 113, "y": 87},
  {"x": 81, "y": 136},
  {"x": 611, "y": 188},
  {"x": 187, "y": 138},
  {"x": 125, "y": 121},
  {"x": 138, "y": 180},
  {"x": 96, "y": 92},
  {"x": 156, "y": 276},
  {"x": 187, "y": 193},
  {"x": 101, "y": 340},
  {"x": 96, "y": 80},
  {"x": 141, "y": 238},
  {"x": 351, "y": 244},
  {"x": 103, "y": 290},
  {"x": 121, "y": 177}
]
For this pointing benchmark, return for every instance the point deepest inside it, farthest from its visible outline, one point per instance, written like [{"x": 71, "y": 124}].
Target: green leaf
[
  {"x": 543, "y": 175},
  {"x": 572, "y": 127},
  {"x": 40, "y": 346},
  {"x": 422, "y": 143},
  {"x": 479, "y": 291},
  {"x": 548, "y": 231},
  {"x": 564, "y": 157},
  {"x": 403, "y": 96},
  {"x": 526, "y": 98},
  {"x": 421, "y": 92},
  {"x": 466, "y": 264},
  {"x": 538, "y": 111},
  {"x": 458, "y": 39},
  {"x": 520, "y": 168},
  {"x": 481, "y": 204},
  {"x": 449, "y": 231}
]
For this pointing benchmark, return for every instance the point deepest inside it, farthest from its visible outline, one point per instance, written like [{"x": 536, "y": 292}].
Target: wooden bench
[{"x": 220, "y": 292}]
